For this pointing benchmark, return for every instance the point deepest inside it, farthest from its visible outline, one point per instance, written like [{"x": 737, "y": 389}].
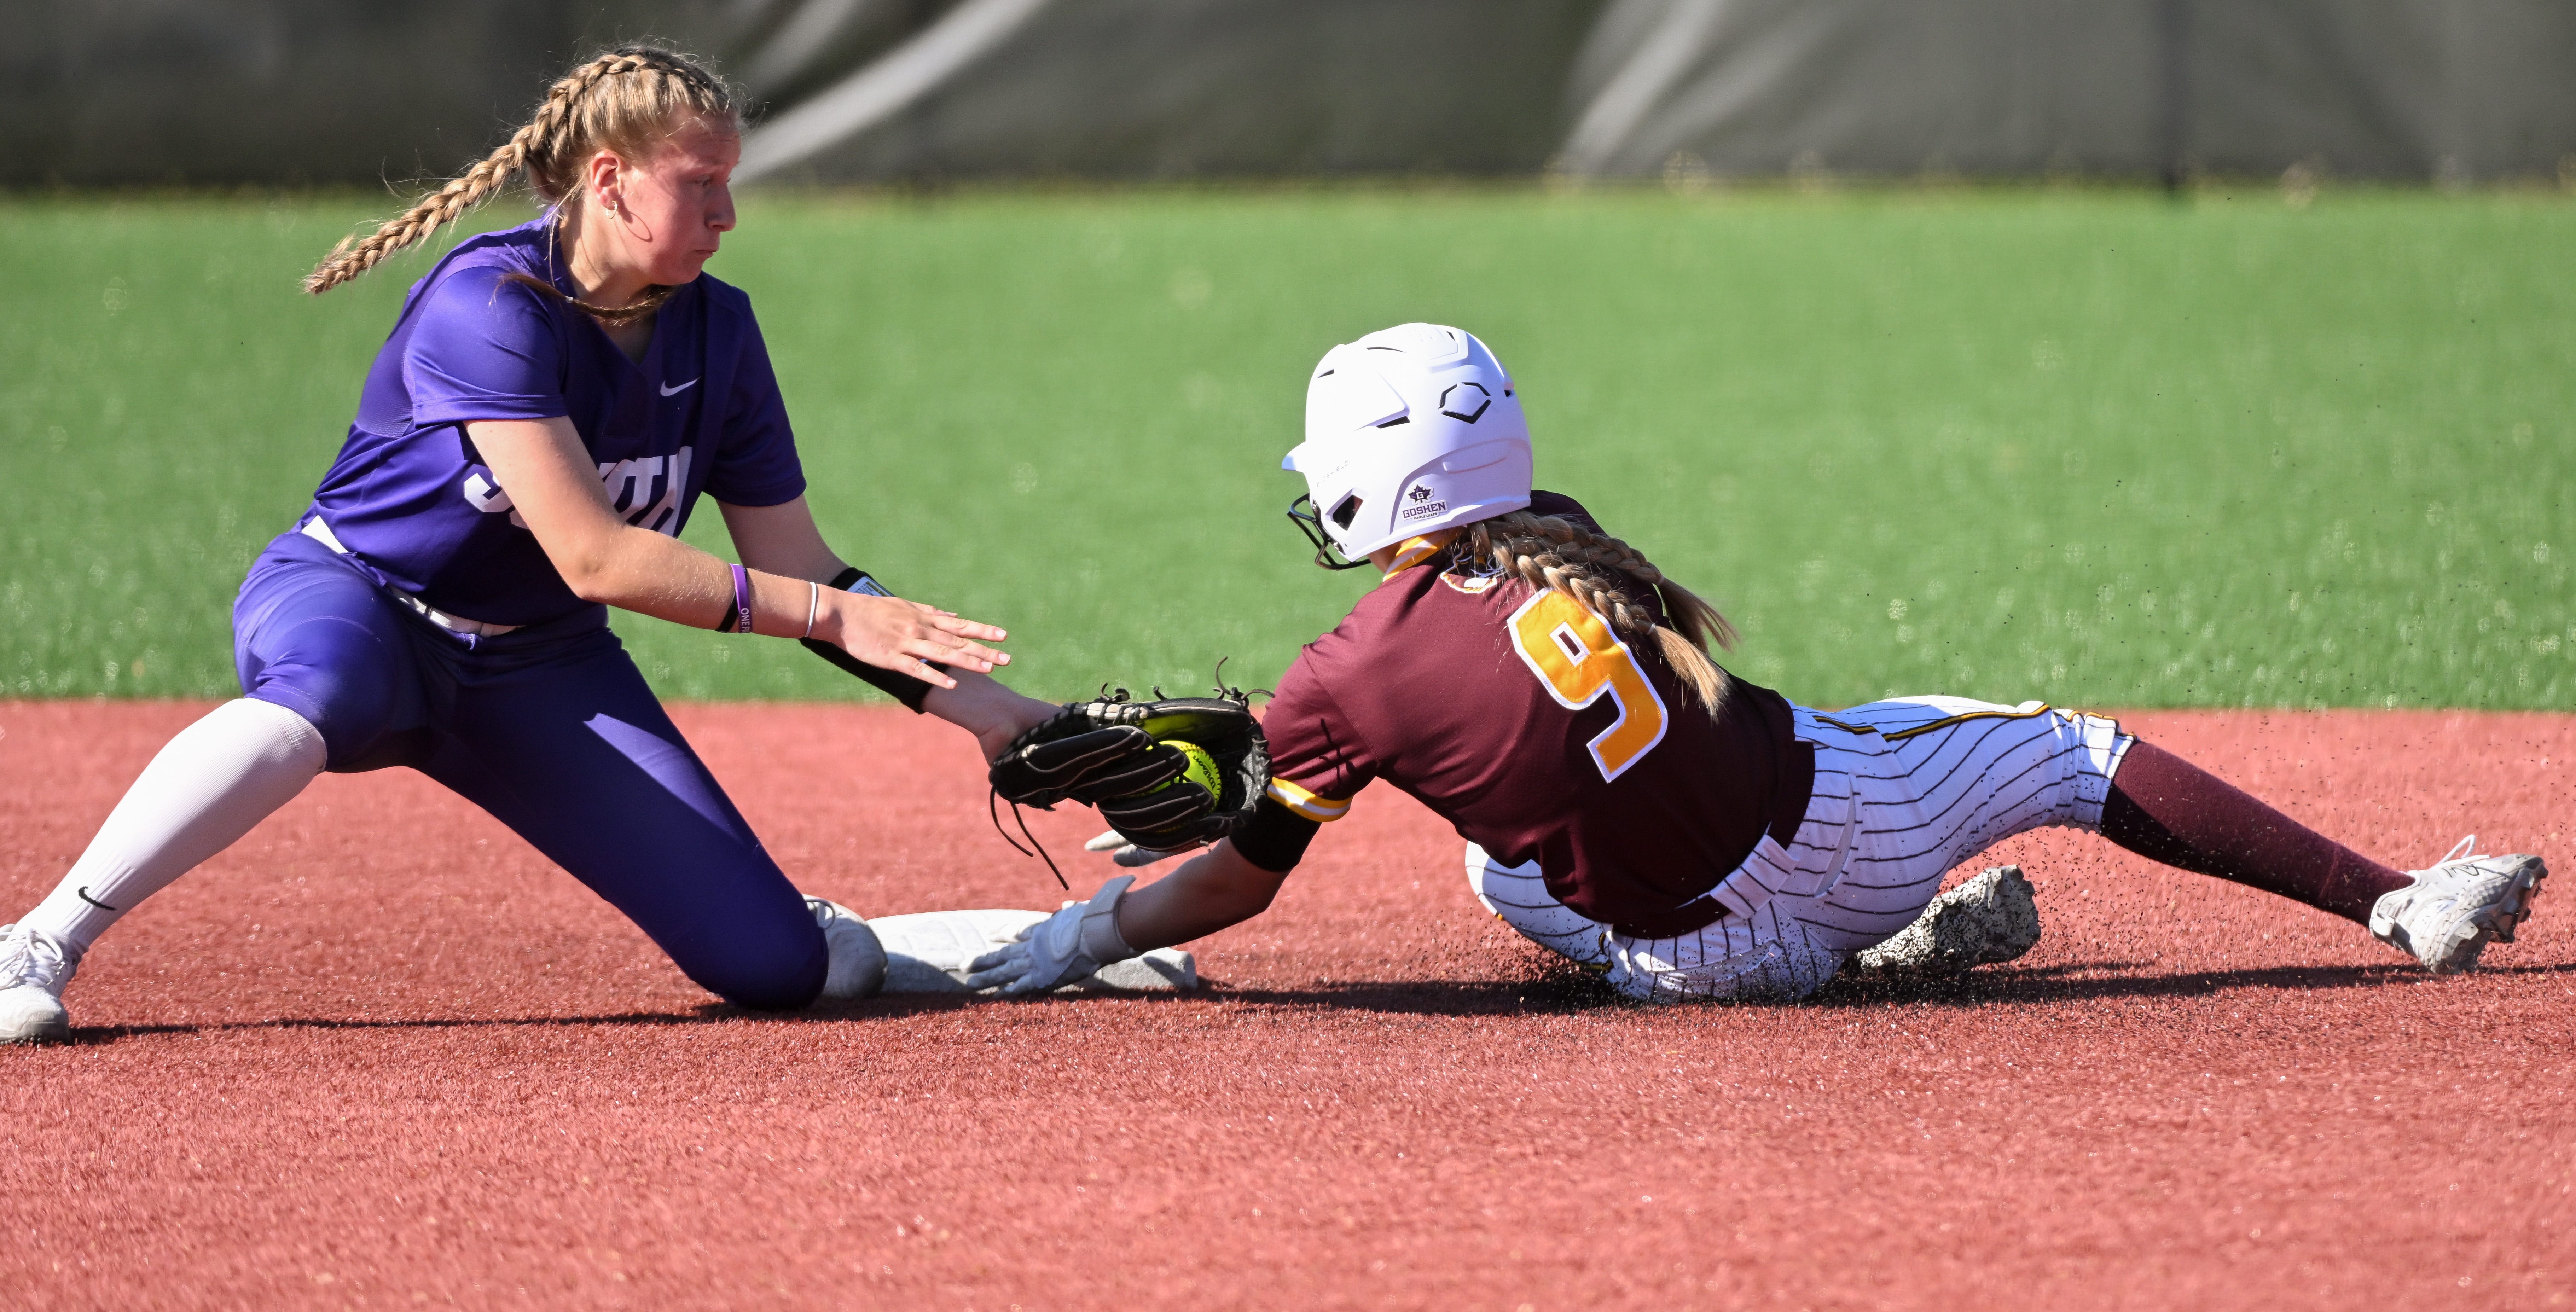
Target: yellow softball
[{"x": 1200, "y": 770}]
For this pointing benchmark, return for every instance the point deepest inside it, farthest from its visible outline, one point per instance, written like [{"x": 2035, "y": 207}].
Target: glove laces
[{"x": 994, "y": 813}]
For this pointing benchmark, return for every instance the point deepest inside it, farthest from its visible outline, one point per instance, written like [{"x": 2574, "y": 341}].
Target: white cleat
[
  {"x": 34, "y": 968},
  {"x": 1991, "y": 918},
  {"x": 2452, "y": 911},
  {"x": 858, "y": 966}
]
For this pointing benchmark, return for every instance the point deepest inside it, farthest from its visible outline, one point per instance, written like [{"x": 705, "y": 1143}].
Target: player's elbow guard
[{"x": 1275, "y": 840}]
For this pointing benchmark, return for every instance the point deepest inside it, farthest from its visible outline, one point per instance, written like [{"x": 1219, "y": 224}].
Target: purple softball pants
[{"x": 553, "y": 731}]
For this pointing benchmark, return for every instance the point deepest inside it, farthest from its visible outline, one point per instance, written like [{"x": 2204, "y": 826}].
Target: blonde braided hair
[
  {"x": 626, "y": 101},
  {"x": 1601, "y": 572}
]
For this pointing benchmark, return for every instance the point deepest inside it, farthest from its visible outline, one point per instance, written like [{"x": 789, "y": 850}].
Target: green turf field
[{"x": 2095, "y": 448}]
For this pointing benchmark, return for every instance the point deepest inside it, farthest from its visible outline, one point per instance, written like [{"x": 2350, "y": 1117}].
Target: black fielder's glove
[
  {"x": 1088, "y": 751},
  {"x": 1110, "y": 754}
]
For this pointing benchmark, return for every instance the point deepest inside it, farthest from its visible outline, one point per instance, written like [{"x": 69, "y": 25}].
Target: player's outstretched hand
[
  {"x": 1060, "y": 949},
  {"x": 904, "y": 636},
  {"x": 1129, "y": 854}
]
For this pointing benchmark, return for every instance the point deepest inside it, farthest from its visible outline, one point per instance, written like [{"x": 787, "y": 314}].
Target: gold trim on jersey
[
  {"x": 1314, "y": 806},
  {"x": 1415, "y": 550},
  {"x": 2022, "y": 712}
]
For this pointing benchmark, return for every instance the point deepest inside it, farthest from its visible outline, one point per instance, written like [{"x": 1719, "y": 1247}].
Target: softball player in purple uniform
[
  {"x": 552, "y": 403},
  {"x": 1543, "y": 687}
]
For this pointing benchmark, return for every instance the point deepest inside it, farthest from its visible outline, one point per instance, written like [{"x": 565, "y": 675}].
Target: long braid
[
  {"x": 476, "y": 185},
  {"x": 1599, "y": 571},
  {"x": 572, "y": 122}
]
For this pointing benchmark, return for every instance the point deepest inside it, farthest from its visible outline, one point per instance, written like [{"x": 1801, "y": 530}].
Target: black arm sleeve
[
  {"x": 902, "y": 687},
  {"x": 1276, "y": 838}
]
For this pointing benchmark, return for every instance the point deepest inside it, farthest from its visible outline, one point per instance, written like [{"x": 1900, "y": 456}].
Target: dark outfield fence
[{"x": 214, "y": 92}]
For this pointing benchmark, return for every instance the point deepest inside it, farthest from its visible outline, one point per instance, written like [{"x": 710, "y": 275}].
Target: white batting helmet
[{"x": 1409, "y": 429}]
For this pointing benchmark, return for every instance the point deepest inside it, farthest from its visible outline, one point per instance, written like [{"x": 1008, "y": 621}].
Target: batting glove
[{"x": 1063, "y": 948}]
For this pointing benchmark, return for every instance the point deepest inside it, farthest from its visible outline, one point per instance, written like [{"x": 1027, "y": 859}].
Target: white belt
[{"x": 320, "y": 532}]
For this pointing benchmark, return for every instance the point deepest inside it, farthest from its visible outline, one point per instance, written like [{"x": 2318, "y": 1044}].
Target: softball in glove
[{"x": 1110, "y": 754}]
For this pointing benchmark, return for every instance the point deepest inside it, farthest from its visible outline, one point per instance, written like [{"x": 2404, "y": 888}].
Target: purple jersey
[{"x": 409, "y": 498}]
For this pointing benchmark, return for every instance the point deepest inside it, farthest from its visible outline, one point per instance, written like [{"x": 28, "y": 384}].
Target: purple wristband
[{"x": 740, "y": 620}]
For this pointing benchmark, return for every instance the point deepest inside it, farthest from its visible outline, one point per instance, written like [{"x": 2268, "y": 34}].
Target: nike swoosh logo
[{"x": 675, "y": 391}]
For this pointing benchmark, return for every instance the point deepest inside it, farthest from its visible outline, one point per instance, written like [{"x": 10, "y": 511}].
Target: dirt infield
[{"x": 381, "y": 1054}]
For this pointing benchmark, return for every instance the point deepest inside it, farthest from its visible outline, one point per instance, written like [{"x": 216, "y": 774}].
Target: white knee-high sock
[{"x": 215, "y": 780}]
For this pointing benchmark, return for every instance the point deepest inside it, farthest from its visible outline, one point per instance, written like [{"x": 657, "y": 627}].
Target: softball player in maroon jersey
[{"x": 1629, "y": 804}]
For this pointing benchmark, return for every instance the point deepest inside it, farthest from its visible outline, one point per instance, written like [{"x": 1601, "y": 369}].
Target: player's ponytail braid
[
  {"x": 1601, "y": 572},
  {"x": 626, "y": 101}
]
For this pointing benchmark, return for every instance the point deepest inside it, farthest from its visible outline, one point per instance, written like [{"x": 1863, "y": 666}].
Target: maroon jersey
[{"x": 1521, "y": 718}]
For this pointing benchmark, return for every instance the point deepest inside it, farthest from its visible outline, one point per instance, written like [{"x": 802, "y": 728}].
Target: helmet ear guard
[{"x": 1409, "y": 430}]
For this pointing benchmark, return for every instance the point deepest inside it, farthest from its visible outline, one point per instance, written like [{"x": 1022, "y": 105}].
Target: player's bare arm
[
  {"x": 605, "y": 559},
  {"x": 784, "y": 540},
  {"x": 1217, "y": 889}
]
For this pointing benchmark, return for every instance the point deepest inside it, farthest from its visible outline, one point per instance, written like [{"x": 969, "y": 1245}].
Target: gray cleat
[
  {"x": 1993, "y": 917},
  {"x": 2452, "y": 911},
  {"x": 858, "y": 961},
  {"x": 34, "y": 967}
]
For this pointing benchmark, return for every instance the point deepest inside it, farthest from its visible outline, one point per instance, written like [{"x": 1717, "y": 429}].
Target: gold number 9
[{"x": 1574, "y": 653}]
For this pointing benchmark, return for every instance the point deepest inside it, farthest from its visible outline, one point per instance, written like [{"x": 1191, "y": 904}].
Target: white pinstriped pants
[{"x": 1906, "y": 791}]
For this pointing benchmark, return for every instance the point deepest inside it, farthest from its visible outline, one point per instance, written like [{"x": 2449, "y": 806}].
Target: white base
[{"x": 927, "y": 952}]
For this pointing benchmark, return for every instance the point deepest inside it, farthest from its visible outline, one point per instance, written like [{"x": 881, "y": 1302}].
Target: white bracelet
[{"x": 813, "y": 605}]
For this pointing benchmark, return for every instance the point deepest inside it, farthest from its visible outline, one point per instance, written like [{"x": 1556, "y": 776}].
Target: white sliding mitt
[{"x": 1066, "y": 946}]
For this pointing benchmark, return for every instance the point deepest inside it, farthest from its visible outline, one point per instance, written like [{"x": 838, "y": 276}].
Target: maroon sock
[{"x": 2166, "y": 809}]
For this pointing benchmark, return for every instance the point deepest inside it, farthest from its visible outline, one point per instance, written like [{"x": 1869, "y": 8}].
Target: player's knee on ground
[
  {"x": 1768, "y": 957},
  {"x": 780, "y": 972},
  {"x": 740, "y": 932}
]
